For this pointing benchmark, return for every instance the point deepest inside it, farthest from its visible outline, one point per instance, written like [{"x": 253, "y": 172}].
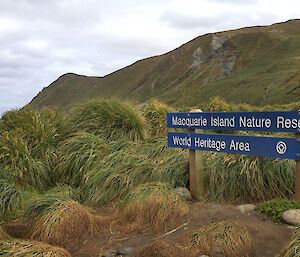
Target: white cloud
[{"x": 41, "y": 40}]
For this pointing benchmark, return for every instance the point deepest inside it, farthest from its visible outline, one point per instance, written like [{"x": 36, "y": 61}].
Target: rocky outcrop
[{"x": 220, "y": 61}]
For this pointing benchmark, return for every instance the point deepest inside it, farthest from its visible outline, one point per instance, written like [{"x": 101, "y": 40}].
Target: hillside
[{"x": 255, "y": 65}]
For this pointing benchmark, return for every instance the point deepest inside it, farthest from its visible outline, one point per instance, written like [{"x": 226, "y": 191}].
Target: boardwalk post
[{"x": 196, "y": 168}]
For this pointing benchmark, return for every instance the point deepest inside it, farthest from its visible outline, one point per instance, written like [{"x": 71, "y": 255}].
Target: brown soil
[{"x": 268, "y": 238}]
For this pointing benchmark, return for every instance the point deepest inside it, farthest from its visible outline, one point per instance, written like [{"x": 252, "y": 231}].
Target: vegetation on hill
[{"x": 258, "y": 66}]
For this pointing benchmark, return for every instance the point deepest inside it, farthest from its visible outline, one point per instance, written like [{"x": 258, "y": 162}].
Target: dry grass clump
[
  {"x": 19, "y": 248},
  {"x": 233, "y": 239},
  {"x": 63, "y": 222},
  {"x": 293, "y": 247},
  {"x": 154, "y": 206},
  {"x": 3, "y": 234}
]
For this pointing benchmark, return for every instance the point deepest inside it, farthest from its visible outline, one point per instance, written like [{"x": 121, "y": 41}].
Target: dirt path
[{"x": 268, "y": 238}]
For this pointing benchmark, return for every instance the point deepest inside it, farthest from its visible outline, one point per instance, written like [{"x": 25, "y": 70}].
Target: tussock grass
[
  {"x": 20, "y": 248},
  {"x": 293, "y": 247},
  {"x": 3, "y": 234},
  {"x": 155, "y": 114},
  {"x": 127, "y": 165},
  {"x": 247, "y": 178},
  {"x": 78, "y": 154},
  {"x": 217, "y": 104},
  {"x": 28, "y": 140},
  {"x": 233, "y": 239},
  {"x": 40, "y": 205},
  {"x": 40, "y": 129},
  {"x": 16, "y": 159},
  {"x": 109, "y": 119},
  {"x": 10, "y": 197},
  {"x": 153, "y": 206},
  {"x": 63, "y": 222}
]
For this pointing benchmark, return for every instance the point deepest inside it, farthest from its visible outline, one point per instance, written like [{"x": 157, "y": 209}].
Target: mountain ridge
[{"x": 256, "y": 65}]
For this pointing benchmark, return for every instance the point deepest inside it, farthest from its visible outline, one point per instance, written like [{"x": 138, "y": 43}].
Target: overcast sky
[{"x": 42, "y": 39}]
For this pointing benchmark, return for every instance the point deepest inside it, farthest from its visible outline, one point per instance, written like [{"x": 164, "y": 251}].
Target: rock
[
  {"x": 291, "y": 217},
  {"x": 112, "y": 253},
  {"x": 184, "y": 192},
  {"x": 246, "y": 207},
  {"x": 218, "y": 41},
  {"x": 125, "y": 250}
]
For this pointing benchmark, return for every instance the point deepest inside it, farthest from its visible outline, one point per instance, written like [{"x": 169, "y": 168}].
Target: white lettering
[{"x": 241, "y": 146}]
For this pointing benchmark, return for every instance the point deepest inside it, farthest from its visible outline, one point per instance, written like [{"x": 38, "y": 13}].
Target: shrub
[
  {"x": 20, "y": 248},
  {"x": 152, "y": 205},
  {"x": 233, "y": 239},
  {"x": 110, "y": 119},
  {"x": 275, "y": 208},
  {"x": 247, "y": 178}
]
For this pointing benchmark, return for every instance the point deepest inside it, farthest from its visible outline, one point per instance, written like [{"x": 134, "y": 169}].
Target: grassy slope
[{"x": 266, "y": 71}]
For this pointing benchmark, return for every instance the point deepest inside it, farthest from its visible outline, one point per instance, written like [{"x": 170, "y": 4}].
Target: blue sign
[
  {"x": 250, "y": 121},
  {"x": 286, "y": 148}
]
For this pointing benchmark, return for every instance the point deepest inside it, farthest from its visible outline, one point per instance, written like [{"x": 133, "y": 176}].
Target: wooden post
[{"x": 196, "y": 168}]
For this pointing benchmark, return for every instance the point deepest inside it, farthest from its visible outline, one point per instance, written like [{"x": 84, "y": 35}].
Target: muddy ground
[{"x": 268, "y": 238}]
